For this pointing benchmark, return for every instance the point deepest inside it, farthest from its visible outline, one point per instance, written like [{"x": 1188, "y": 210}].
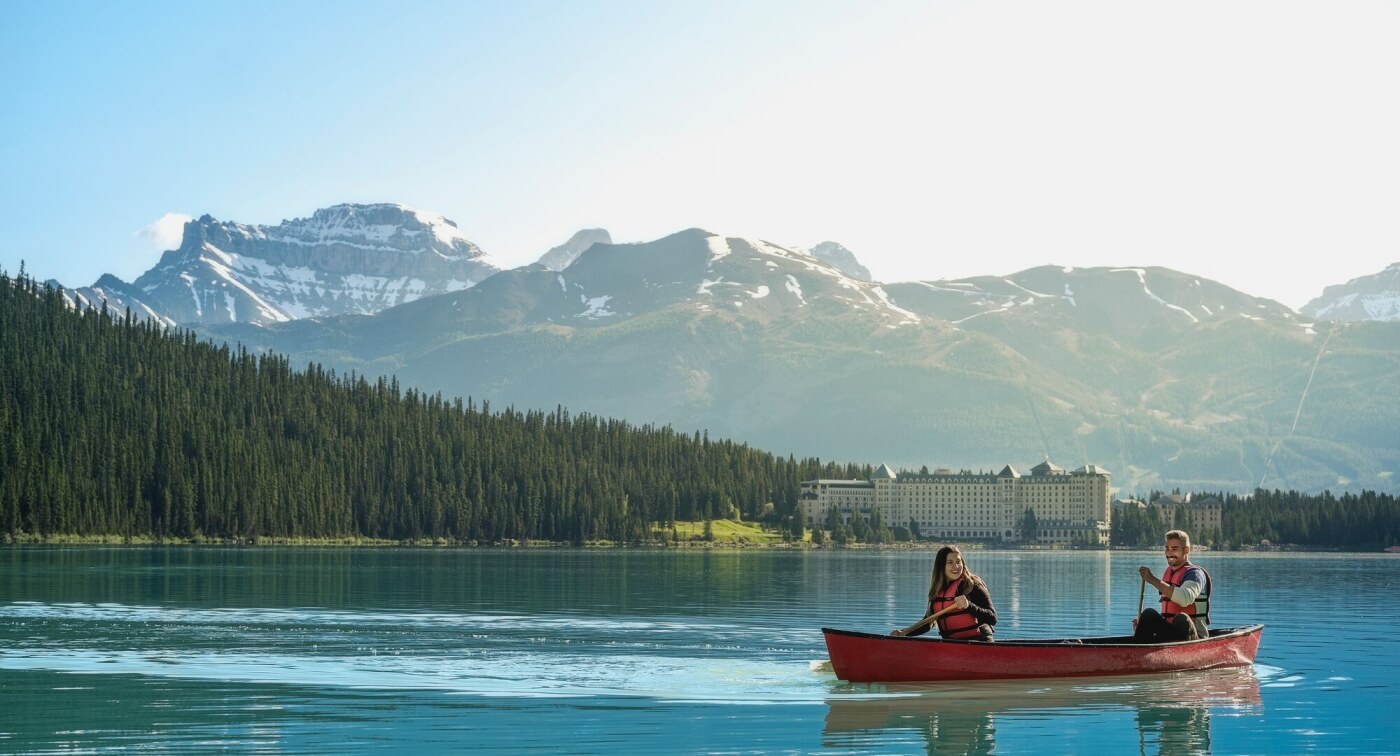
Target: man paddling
[{"x": 1185, "y": 592}]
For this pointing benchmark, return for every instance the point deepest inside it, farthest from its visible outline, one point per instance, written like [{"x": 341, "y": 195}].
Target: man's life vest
[
  {"x": 956, "y": 625},
  {"x": 1200, "y": 609}
]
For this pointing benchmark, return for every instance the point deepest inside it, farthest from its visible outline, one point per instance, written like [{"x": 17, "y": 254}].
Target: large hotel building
[{"x": 1070, "y": 507}]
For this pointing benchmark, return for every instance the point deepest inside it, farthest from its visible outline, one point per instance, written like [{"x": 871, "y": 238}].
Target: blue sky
[{"x": 1252, "y": 143}]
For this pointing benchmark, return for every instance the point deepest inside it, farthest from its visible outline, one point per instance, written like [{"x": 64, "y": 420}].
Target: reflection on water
[
  {"x": 1172, "y": 712},
  {"x": 647, "y": 651}
]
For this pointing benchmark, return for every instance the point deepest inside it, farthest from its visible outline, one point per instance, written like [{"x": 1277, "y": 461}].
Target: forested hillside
[
  {"x": 1355, "y": 522},
  {"x": 114, "y": 427},
  {"x": 109, "y": 426}
]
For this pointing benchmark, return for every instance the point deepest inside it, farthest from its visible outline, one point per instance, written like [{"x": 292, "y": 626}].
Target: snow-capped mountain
[
  {"x": 564, "y": 255},
  {"x": 118, "y": 296},
  {"x": 1373, "y": 297},
  {"x": 1170, "y": 379},
  {"x": 711, "y": 272},
  {"x": 346, "y": 259},
  {"x": 842, "y": 259},
  {"x": 697, "y": 273},
  {"x": 691, "y": 271}
]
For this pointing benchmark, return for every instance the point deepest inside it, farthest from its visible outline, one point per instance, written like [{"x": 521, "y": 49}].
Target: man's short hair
[{"x": 1179, "y": 535}]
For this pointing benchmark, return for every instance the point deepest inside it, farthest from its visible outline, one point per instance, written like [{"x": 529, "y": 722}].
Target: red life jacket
[
  {"x": 956, "y": 625},
  {"x": 1200, "y": 609}
]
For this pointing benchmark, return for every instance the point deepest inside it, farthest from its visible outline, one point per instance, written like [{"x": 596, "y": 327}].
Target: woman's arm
[{"x": 980, "y": 605}]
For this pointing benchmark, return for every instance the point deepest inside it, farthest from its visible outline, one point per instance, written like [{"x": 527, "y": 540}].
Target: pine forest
[{"x": 114, "y": 427}]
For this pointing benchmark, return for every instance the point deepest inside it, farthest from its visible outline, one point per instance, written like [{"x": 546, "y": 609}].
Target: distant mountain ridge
[
  {"x": 361, "y": 259},
  {"x": 343, "y": 259},
  {"x": 1164, "y": 378},
  {"x": 1373, "y": 297}
]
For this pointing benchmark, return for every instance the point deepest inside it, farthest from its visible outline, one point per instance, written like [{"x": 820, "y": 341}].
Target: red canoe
[{"x": 864, "y": 657}]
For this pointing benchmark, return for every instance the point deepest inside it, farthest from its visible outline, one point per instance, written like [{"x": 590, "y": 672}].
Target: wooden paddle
[
  {"x": 1142, "y": 590},
  {"x": 931, "y": 618}
]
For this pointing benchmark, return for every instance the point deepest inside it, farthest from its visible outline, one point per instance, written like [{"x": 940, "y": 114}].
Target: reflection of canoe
[
  {"x": 864, "y": 657},
  {"x": 912, "y": 704},
  {"x": 1172, "y": 710}
]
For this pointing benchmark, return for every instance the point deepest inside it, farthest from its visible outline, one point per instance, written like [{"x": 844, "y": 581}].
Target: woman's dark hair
[{"x": 939, "y": 581}]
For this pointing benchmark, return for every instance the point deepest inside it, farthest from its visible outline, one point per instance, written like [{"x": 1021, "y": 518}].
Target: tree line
[
  {"x": 112, "y": 426},
  {"x": 1364, "y": 521}
]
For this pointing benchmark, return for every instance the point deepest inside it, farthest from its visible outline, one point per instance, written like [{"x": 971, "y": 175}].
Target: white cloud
[{"x": 165, "y": 232}]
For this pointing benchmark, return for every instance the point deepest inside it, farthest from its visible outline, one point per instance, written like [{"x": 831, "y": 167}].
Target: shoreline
[{"x": 734, "y": 545}]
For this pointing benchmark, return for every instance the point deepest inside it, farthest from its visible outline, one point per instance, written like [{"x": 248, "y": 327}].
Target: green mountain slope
[{"x": 1166, "y": 379}]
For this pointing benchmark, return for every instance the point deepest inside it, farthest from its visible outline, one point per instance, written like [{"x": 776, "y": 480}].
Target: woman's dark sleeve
[{"x": 980, "y": 606}]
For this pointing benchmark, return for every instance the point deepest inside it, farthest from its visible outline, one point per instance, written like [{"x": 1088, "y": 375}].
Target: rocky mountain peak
[
  {"x": 701, "y": 272},
  {"x": 1373, "y": 297},
  {"x": 842, "y": 259},
  {"x": 344, "y": 259},
  {"x": 563, "y": 256},
  {"x": 393, "y": 225}
]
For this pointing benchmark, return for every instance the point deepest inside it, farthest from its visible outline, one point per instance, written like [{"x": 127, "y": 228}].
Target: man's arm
[{"x": 1182, "y": 595}]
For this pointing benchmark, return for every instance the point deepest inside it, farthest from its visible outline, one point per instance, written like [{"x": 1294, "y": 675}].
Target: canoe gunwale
[{"x": 1115, "y": 641}]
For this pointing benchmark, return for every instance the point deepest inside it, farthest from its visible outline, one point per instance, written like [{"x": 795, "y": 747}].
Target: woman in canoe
[{"x": 958, "y": 601}]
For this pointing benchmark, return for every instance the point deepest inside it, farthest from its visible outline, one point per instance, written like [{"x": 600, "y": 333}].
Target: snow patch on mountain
[
  {"x": 775, "y": 250},
  {"x": 909, "y": 317},
  {"x": 964, "y": 288},
  {"x": 597, "y": 307},
  {"x": 443, "y": 229},
  {"x": 1387, "y": 308},
  {"x": 792, "y": 285},
  {"x": 1033, "y": 294},
  {"x": 1373, "y": 297},
  {"x": 1142, "y": 278},
  {"x": 795, "y": 261},
  {"x": 719, "y": 248}
]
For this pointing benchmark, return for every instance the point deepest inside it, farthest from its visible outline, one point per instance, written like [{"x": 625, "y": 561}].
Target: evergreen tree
[
  {"x": 112, "y": 426},
  {"x": 1030, "y": 526}
]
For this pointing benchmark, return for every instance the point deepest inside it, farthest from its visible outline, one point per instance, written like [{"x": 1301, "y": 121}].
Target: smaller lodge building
[
  {"x": 1070, "y": 507},
  {"x": 1201, "y": 517}
]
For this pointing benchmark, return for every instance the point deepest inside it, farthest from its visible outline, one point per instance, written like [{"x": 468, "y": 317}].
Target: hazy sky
[{"x": 1254, "y": 143}]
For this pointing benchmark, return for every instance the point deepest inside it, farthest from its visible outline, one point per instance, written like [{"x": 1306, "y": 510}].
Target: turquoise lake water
[{"x": 586, "y": 651}]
